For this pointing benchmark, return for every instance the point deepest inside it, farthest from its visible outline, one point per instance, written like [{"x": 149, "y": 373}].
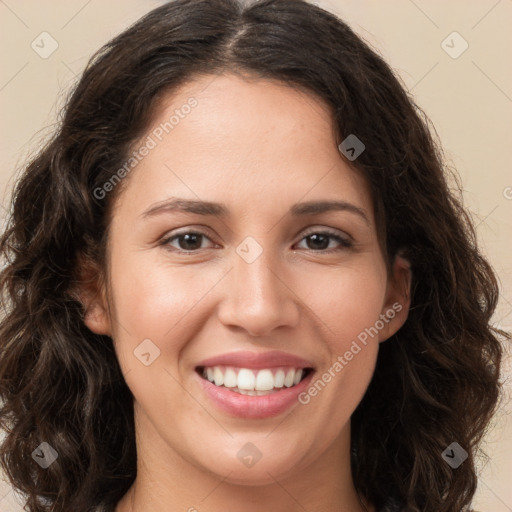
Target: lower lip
[{"x": 254, "y": 407}]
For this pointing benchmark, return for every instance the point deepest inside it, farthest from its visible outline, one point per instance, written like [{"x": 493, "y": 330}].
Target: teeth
[
  {"x": 218, "y": 376},
  {"x": 253, "y": 382},
  {"x": 264, "y": 380},
  {"x": 230, "y": 379},
  {"x": 246, "y": 379},
  {"x": 279, "y": 379},
  {"x": 288, "y": 380}
]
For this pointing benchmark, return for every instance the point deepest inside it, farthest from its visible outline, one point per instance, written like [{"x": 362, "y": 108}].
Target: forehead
[
  {"x": 243, "y": 112},
  {"x": 241, "y": 138}
]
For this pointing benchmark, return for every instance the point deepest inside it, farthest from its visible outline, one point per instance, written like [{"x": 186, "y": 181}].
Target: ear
[
  {"x": 90, "y": 292},
  {"x": 398, "y": 298}
]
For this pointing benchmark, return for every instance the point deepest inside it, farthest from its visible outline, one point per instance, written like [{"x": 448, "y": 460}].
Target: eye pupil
[
  {"x": 187, "y": 237},
  {"x": 316, "y": 237}
]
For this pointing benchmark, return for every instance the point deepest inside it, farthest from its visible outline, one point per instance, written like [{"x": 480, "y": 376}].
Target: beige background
[{"x": 468, "y": 98}]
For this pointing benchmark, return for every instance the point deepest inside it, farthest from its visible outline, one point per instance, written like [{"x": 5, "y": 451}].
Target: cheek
[
  {"x": 348, "y": 301},
  {"x": 166, "y": 304},
  {"x": 152, "y": 300},
  {"x": 157, "y": 302}
]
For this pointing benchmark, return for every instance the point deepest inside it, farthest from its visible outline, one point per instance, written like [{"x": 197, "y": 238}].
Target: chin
[{"x": 265, "y": 471}]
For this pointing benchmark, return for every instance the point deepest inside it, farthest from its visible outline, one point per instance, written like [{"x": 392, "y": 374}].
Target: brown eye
[
  {"x": 319, "y": 241},
  {"x": 189, "y": 241}
]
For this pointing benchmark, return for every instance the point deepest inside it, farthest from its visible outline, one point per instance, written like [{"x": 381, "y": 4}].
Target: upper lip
[{"x": 256, "y": 360}]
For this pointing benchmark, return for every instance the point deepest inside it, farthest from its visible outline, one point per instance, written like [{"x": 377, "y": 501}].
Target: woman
[{"x": 256, "y": 369}]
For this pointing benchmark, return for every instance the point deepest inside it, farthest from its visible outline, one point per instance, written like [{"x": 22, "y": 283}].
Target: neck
[{"x": 171, "y": 483}]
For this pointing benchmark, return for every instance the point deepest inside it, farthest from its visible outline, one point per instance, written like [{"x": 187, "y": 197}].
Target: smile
[
  {"x": 284, "y": 385},
  {"x": 253, "y": 382}
]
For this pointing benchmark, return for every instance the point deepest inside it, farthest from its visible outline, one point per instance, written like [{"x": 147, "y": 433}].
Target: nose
[{"x": 258, "y": 297}]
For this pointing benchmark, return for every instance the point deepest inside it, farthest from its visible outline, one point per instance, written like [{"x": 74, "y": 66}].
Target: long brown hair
[{"x": 436, "y": 380}]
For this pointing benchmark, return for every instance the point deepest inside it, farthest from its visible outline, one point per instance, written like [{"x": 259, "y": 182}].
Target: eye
[
  {"x": 188, "y": 241},
  {"x": 319, "y": 240}
]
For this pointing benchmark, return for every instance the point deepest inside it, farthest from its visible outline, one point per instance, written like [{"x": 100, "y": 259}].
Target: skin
[{"x": 259, "y": 147}]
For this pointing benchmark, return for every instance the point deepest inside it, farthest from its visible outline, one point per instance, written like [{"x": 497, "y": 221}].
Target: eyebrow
[{"x": 220, "y": 210}]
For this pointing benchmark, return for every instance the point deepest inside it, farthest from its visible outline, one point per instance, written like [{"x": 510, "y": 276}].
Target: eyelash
[{"x": 345, "y": 243}]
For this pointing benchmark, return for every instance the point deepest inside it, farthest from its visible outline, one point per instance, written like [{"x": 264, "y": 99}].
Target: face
[{"x": 263, "y": 281}]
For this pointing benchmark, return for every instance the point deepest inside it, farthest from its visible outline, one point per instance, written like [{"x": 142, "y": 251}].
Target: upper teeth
[{"x": 256, "y": 380}]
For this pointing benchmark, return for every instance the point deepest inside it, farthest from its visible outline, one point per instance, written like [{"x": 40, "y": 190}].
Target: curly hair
[{"x": 437, "y": 380}]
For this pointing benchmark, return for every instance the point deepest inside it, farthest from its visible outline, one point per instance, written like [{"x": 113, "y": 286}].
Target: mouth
[{"x": 254, "y": 382}]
